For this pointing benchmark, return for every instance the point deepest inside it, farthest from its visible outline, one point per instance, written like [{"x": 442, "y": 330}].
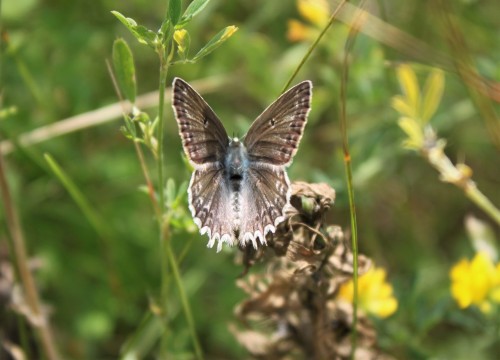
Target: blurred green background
[{"x": 53, "y": 67}]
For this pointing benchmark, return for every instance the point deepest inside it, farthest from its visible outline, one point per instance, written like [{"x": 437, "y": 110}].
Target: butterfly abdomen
[{"x": 236, "y": 166}]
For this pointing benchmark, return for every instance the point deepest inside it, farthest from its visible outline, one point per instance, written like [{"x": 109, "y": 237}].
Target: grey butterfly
[{"x": 239, "y": 187}]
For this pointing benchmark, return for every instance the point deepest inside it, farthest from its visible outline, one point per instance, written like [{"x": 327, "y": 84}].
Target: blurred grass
[{"x": 53, "y": 66}]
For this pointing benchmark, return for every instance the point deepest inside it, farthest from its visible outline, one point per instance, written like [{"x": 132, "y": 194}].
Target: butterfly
[{"x": 239, "y": 187}]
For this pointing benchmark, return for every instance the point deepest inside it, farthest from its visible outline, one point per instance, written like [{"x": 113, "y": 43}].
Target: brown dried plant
[{"x": 291, "y": 311}]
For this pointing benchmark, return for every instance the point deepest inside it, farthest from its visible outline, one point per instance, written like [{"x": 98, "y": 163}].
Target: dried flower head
[{"x": 292, "y": 309}]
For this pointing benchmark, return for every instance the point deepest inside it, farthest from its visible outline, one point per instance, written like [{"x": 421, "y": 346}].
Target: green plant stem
[
  {"x": 313, "y": 45},
  {"x": 348, "y": 169},
  {"x": 165, "y": 243},
  {"x": 450, "y": 173},
  {"x": 84, "y": 205},
  {"x": 184, "y": 300},
  {"x": 354, "y": 244},
  {"x": 37, "y": 316},
  {"x": 147, "y": 178},
  {"x": 138, "y": 150},
  {"x": 478, "y": 198},
  {"x": 161, "y": 120},
  {"x": 161, "y": 196},
  {"x": 93, "y": 217}
]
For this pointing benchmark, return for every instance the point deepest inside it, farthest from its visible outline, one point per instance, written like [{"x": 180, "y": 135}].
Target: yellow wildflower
[
  {"x": 316, "y": 12},
  {"x": 228, "y": 32},
  {"x": 297, "y": 31},
  {"x": 476, "y": 282},
  {"x": 180, "y": 39},
  {"x": 375, "y": 295}
]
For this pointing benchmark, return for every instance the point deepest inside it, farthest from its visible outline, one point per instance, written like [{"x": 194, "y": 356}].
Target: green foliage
[
  {"x": 174, "y": 11},
  {"x": 215, "y": 42},
  {"x": 105, "y": 297},
  {"x": 141, "y": 33},
  {"x": 123, "y": 63}
]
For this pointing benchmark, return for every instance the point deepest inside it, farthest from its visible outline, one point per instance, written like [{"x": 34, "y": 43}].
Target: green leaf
[
  {"x": 7, "y": 112},
  {"x": 170, "y": 192},
  {"x": 141, "y": 33},
  {"x": 181, "y": 193},
  {"x": 174, "y": 11},
  {"x": 433, "y": 92},
  {"x": 216, "y": 41},
  {"x": 126, "y": 132},
  {"x": 165, "y": 26},
  {"x": 123, "y": 63},
  {"x": 194, "y": 8}
]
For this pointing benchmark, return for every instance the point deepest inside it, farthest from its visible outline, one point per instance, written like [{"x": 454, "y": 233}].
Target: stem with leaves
[
  {"x": 171, "y": 40},
  {"x": 416, "y": 108}
]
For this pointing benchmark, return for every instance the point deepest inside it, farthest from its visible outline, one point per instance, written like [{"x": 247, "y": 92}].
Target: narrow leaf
[
  {"x": 141, "y": 33},
  {"x": 216, "y": 41},
  {"x": 409, "y": 85},
  {"x": 174, "y": 11},
  {"x": 165, "y": 26},
  {"x": 123, "y": 63},
  {"x": 170, "y": 191},
  {"x": 89, "y": 211},
  {"x": 401, "y": 106},
  {"x": 433, "y": 92},
  {"x": 194, "y": 8},
  {"x": 413, "y": 131}
]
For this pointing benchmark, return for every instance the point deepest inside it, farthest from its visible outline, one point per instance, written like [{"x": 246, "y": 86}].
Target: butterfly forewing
[
  {"x": 275, "y": 135},
  {"x": 203, "y": 136}
]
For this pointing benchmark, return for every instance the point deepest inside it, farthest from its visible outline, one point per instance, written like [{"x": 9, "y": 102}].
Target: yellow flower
[
  {"x": 316, "y": 12},
  {"x": 228, "y": 32},
  {"x": 375, "y": 295},
  {"x": 476, "y": 282},
  {"x": 180, "y": 38},
  {"x": 297, "y": 31}
]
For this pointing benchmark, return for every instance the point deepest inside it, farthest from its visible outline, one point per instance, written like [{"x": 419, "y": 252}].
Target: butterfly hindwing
[
  {"x": 210, "y": 204},
  {"x": 275, "y": 135},
  {"x": 263, "y": 199},
  {"x": 205, "y": 142},
  {"x": 203, "y": 136}
]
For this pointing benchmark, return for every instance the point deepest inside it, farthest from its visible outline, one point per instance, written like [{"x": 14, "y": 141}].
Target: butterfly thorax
[{"x": 236, "y": 162}]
